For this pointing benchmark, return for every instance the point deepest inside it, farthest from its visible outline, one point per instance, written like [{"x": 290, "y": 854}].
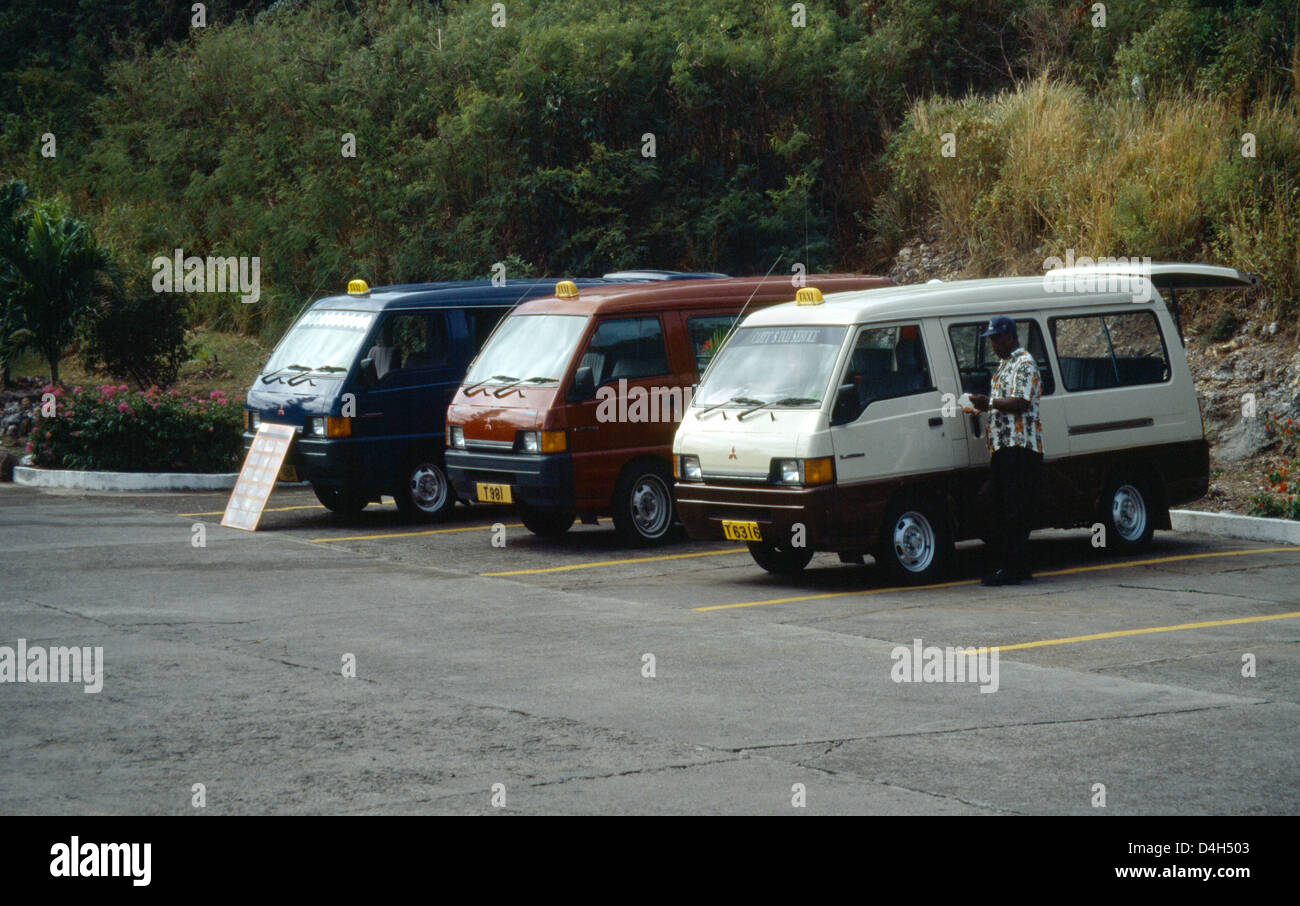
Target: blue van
[{"x": 366, "y": 377}]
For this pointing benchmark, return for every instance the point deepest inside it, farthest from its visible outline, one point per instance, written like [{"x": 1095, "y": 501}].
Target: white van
[{"x": 832, "y": 424}]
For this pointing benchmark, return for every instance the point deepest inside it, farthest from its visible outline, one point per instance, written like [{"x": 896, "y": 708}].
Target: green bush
[
  {"x": 112, "y": 429},
  {"x": 139, "y": 335}
]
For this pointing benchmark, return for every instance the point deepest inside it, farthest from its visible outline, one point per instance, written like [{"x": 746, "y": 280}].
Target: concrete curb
[
  {"x": 123, "y": 481},
  {"x": 1230, "y": 525}
]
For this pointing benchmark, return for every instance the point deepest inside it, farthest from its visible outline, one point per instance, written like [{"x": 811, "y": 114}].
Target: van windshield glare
[
  {"x": 321, "y": 341},
  {"x": 534, "y": 349},
  {"x": 780, "y": 367}
]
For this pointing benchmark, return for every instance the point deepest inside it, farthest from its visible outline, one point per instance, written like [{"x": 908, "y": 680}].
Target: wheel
[
  {"x": 546, "y": 523},
  {"x": 915, "y": 544},
  {"x": 340, "y": 501},
  {"x": 1126, "y": 511},
  {"x": 643, "y": 503},
  {"x": 423, "y": 492},
  {"x": 780, "y": 559}
]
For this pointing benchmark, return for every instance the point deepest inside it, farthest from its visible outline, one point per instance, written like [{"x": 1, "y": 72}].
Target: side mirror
[
  {"x": 846, "y": 407},
  {"x": 367, "y": 376},
  {"x": 584, "y": 385}
]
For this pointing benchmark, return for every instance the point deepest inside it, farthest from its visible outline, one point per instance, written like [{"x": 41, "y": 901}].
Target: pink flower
[
  {"x": 122, "y": 407},
  {"x": 29, "y": 448},
  {"x": 123, "y": 387},
  {"x": 216, "y": 395},
  {"x": 76, "y": 390}
]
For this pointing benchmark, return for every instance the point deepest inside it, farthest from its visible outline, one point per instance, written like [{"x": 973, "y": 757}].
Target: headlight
[
  {"x": 804, "y": 471},
  {"x": 327, "y": 426},
  {"x": 787, "y": 471},
  {"x": 542, "y": 442},
  {"x": 690, "y": 468},
  {"x": 252, "y": 419},
  {"x": 456, "y": 437}
]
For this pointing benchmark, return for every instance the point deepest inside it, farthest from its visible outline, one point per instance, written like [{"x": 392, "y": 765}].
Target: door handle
[{"x": 936, "y": 422}]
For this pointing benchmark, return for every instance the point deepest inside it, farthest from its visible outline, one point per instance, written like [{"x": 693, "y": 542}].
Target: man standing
[{"x": 1015, "y": 438}]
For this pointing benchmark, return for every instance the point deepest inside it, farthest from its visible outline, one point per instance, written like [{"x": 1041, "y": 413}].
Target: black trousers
[{"x": 1015, "y": 492}]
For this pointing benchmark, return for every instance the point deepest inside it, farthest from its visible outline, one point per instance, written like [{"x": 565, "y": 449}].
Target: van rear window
[{"x": 1113, "y": 350}]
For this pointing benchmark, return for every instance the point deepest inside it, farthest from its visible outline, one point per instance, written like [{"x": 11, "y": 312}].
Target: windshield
[
  {"x": 784, "y": 367},
  {"x": 321, "y": 341},
  {"x": 534, "y": 348}
]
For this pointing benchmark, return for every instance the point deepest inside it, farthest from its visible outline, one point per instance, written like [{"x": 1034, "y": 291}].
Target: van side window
[
  {"x": 976, "y": 360},
  {"x": 626, "y": 348},
  {"x": 409, "y": 341},
  {"x": 707, "y": 333},
  {"x": 886, "y": 362},
  {"x": 1113, "y": 350},
  {"x": 481, "y": 322}
]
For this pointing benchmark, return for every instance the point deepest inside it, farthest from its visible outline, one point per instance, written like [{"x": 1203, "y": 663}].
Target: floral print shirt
[{"x": 1016, "y": 377}]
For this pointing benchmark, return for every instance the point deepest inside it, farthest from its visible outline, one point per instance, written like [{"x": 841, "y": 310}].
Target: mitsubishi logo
[
  {"x": 732, "y": 454},
  {"x": 280, "y": 411}
]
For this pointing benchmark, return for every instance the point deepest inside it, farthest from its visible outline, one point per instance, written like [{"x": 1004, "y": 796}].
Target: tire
[
  {"x": 780, "y": 560},
  {"x": 643, "y": 503},
  {"x": 545, "y": 523},
  {"x": 915, "y": 543},
  {"x": 423, "y": 492},
  {"x": 340, "y": 501},
  {"x": 1128, "y": 513}
]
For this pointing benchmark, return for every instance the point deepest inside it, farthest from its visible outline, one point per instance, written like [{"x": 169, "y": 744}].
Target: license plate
[
  {"x": 741, "y": 531},
  {"x": 494, "y": 493}
]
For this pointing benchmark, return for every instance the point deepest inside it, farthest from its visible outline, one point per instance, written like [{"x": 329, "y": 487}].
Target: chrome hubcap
[
  {"x": 914, "y": 542},
  {"x": 428, "y": 487},
  {"x": 651, "y": 509},
  {"x": 1129, "y": 512}
]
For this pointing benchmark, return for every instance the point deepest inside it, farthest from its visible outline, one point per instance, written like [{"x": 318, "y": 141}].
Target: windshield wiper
[
  {"x": 266, "y": 378},
  {"x": 469, "y": 391},
  {"x": 787, "y": 401},
  {"x": 743, "y": 400}
]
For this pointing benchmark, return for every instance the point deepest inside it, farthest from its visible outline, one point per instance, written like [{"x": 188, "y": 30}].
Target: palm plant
[{"x": 51, "y": 271}]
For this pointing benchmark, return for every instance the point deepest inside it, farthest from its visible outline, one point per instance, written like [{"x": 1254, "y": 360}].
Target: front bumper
[
  {"x": 333, "y": 462},
  {"x": 702, "y": 507},
  {"x": 543, "y": 481}
]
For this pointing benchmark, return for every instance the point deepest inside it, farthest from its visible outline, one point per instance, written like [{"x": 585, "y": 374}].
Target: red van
[{"x": 570, "y": 408}]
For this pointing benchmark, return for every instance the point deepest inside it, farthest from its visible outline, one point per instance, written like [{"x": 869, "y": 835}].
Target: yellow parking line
[
  {"x": 440, "y": 531},
  {"x": 1123, "y": 632},
  {"x": 572, "y": 566},
  {"x": 270, "y": 509},
  {"x": 1056, "y": 572}
]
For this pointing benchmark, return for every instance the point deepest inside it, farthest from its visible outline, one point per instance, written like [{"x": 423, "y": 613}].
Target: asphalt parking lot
[{"x": 525, "y": 665}]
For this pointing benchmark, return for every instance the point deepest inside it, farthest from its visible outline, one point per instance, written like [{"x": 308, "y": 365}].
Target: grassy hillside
[{"x": 778, "y": 136}]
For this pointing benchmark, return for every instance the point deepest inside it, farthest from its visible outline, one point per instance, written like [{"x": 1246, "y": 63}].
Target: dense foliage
[
  {"x": 525, "y": 143},
  {"x": 112, "y": 429}
]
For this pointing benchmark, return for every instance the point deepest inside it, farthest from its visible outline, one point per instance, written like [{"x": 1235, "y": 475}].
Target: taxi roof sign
[
  {"x": 358, "y": 288},
  {"x": 808, "y": 295},
  {"x": 566, "y": 289}
]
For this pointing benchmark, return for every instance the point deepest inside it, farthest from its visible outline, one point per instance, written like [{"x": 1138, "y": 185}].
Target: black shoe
[{"x": 1001, "y": 577}]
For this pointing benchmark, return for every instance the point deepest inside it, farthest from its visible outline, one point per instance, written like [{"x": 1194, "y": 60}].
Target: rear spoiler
[{"x": 1169, "y": 277}]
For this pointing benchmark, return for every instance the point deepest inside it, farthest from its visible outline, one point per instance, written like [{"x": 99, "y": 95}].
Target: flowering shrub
[
  {"x": 1283, "y": 484},
  {"x": 112, "y": 429}
]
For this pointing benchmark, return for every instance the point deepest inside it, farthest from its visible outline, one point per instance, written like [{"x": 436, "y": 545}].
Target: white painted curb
[
  {"x": 123, "y": 481},
  {"x": 1230, "y": 525}
]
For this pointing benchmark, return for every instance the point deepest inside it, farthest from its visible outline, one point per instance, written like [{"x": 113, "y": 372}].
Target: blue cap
[{"x": 1000, "y": 324}]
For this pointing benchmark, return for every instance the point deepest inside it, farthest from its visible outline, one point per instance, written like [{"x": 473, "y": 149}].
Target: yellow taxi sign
[
  {"x": 358, "y": 288},
  {"x": 808, "y": 295},
  {"x": 566, "y": 289}
]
